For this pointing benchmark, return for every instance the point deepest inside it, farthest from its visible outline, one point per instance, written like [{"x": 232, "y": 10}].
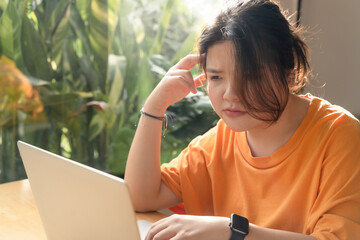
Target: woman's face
[{"x": 224, "y": 99}]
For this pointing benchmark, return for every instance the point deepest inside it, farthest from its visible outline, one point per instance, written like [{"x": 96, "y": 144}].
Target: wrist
[
  {"x": 239, "y": 227},
  {"x": 154, "y": 109},
  {"x": 219, "y": 228}
]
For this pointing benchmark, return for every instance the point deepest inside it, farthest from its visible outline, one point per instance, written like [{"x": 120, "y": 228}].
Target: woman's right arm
[{"x": 142, "y": 173}]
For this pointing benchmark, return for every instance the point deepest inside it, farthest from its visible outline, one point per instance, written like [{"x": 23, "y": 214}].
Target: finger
[
  {"x": 197, "y": 81},
  {"x": 200, "y": 80},
  {"x": 188, "y": 62},
  {"x": 154, "y": 230},
  {"x": 167, "y": 228},
  {"x": 188, "y": 83},
  {"x": 185, "y": 76},
  {"x": 157, "y": 227},
  {"x": 180, "y": 72},
  {"x": 165, "y": 234}
]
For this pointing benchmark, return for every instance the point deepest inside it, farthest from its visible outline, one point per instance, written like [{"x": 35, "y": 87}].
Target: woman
[{"x": 282, "y": 165}]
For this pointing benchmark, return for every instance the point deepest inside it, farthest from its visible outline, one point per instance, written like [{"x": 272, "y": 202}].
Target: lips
[{"x": 233, "y": 112}]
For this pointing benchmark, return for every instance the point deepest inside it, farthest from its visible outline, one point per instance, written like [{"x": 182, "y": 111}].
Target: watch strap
[{"x": 235, "y": 235}]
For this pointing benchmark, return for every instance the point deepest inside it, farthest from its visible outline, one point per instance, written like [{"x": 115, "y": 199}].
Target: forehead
[{"x": 221, "y": 57}]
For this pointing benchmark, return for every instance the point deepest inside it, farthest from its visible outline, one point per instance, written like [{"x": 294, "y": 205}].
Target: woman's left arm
[
  {"x": 178, "y": 227},
  {"x": 259, "y": 233}
]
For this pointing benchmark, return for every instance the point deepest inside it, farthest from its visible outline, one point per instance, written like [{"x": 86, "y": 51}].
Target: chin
[
  {"x": 236, "y": 127},
  {"x": 246, "y": 123}
]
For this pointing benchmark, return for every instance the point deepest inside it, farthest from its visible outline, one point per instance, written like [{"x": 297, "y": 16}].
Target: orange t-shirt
[{"x": 310, "y": 185}]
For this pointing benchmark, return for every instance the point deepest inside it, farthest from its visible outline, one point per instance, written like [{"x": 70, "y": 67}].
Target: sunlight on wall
[{"x": 205, "y": 9}]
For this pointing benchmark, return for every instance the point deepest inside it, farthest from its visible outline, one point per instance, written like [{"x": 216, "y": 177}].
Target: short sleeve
[
  {"x": 170, "y": 174},
  {"x": 336, "y": 212},
  {"x": 187, "y": 175},
  {"x": 180, "y": 174}
]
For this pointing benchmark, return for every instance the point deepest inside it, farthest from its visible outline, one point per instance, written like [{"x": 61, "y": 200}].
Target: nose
[{"x": 230, "y": 93}]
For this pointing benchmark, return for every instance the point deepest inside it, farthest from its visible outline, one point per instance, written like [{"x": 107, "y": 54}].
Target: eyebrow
[{"x": 212, "y": 70}]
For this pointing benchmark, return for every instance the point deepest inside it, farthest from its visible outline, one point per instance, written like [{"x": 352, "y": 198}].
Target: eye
[{"x": 214, "y": 77}]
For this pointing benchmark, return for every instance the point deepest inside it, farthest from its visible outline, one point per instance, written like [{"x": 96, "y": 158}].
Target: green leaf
[
  {"x": 117, "y": 66},
  {"x": 49, "y": 7},
  {"x": 32, "y": 45},
  {"x": 59, "y": 35},
  {"x": 3, "y": 5},
  {"x": 84, "y": 8},
  {"x": 20, "y": 6},
  {"x": 92, "y": 77},
  {"x": 124, "y": 43},
  {"x": 163, "y": 26},
  {"x": 57, "y": 11},
  {"x": 124, "y": 37},
  {"x": 71, "y": 66},
  {"x": 159, "y": 64},
  {"x": 113, "y": 7},
  {"x": 78, "y": 26},
  {"x": 55, "y": 99},
  {"x": 120, "y": 150},
  {"x": 97, "y": 124},
  {"x": 146, "y": 83},
  {"x": 98, "y": 36},
  {"x": 37, "y": 82},
  {"x": 10, "y": 34}
]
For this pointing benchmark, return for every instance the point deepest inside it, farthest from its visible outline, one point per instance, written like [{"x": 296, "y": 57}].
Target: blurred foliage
[{"x": 74, "y": 75}]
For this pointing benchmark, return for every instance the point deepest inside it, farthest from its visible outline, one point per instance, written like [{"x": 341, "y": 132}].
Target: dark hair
[{"x": 270, "y": 56}]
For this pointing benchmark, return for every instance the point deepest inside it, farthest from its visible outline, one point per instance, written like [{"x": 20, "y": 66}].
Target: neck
[{"x": 266, "y": 141}]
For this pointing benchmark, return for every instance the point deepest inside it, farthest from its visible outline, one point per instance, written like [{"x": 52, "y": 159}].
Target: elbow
[
  {"x": 142, "y": 206},
  {"x": 143, "y": 198},
  {"x": 141, "y": 202}
]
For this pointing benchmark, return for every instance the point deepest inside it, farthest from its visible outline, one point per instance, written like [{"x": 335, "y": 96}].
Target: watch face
[{"x": 239, "y": 224}]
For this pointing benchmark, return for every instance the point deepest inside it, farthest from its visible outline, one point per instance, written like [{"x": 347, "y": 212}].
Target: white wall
[
  {"x": 335, "y": 44},
  {"x": 334, "y": 39}
]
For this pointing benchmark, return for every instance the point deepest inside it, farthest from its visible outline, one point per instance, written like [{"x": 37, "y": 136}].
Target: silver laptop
[{"x": 79, "y": 202}]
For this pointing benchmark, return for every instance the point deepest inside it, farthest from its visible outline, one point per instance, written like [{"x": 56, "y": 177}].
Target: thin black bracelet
[
  {"x": 152, "y": 116},
  {"x": 164, "y": 119}
]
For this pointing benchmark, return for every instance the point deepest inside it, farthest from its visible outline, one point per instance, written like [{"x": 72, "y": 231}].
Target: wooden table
[{"x": 19, "y": 217}]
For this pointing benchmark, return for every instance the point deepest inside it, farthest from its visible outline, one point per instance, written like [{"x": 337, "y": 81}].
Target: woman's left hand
[{"x": 178, "y": 227}]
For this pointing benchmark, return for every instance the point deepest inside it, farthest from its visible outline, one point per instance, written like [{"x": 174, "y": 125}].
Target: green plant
[{"x": 93, "y": 64}]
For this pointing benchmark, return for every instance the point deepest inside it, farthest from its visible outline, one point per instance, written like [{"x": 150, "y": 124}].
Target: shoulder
[
  {"x": 331, "y": 119},
  {"x": 336, "y": 133}
]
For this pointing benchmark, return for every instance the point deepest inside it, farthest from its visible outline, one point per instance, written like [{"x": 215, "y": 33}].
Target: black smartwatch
[{"x": 239, "y": 227}]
